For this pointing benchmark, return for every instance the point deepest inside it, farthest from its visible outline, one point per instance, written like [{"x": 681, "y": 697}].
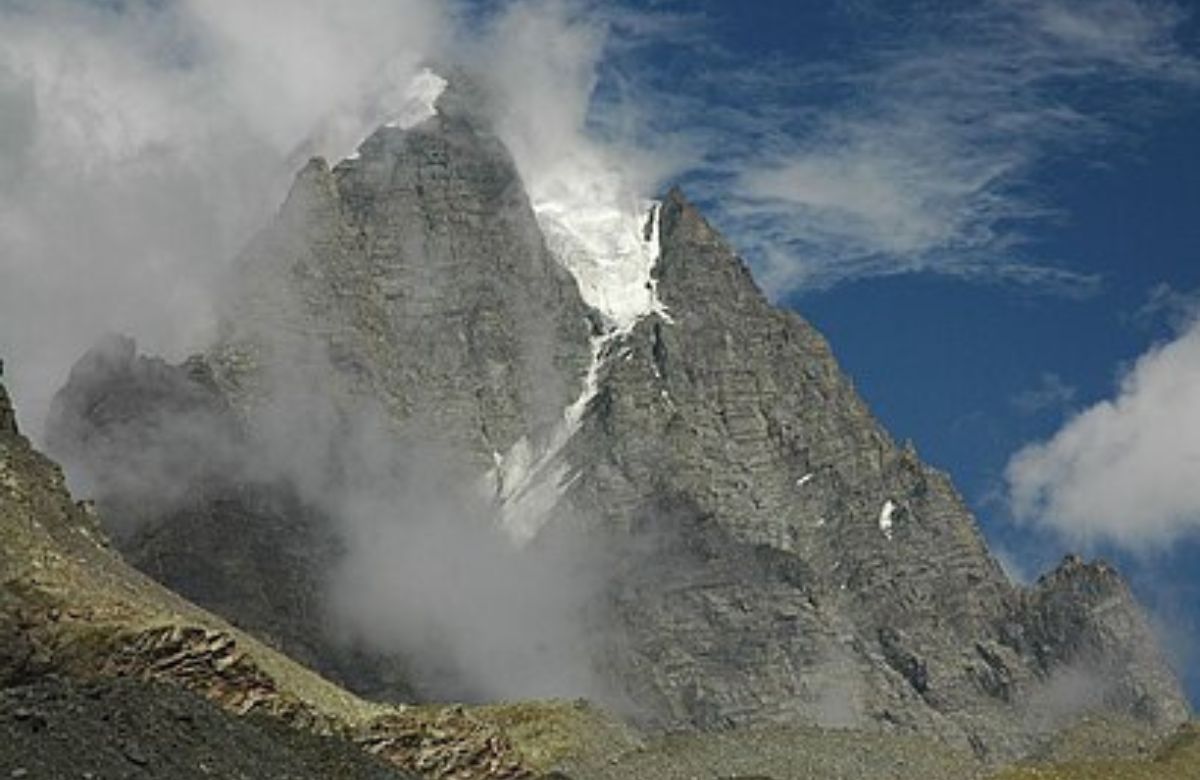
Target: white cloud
[
  {"x": 141, "y": 143},
  {"x": 1165, "y": 304},
  {"x": 1139, "y": 37},
  {"x": 922, "y": 156},
  {"x": 1125, "y": 470},
  {"x": 145, "y": 141},
  {"x": 1050, "y": 394}
]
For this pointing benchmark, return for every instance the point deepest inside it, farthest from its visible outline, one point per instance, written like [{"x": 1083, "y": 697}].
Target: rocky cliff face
[
  {"x": 773, "y": 555},
  {"x": 791, "y": 561},
  {"x": 413, "y": 275}
]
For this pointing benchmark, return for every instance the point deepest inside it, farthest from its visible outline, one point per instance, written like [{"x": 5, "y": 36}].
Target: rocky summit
[
  {"x": 800, "y": 564},
  {"x": 762, "y": 553}
]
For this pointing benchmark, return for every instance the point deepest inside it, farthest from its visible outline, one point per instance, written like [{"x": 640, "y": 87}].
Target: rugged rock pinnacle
[{"x": 771, "y": 554}]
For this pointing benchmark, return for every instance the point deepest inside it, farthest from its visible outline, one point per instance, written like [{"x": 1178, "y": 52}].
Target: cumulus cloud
[
  {"x": 428, "y": 574},
  {"x": 1124, "y": 470}
]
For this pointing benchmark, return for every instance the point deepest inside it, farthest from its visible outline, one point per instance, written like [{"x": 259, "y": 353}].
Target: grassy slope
[
  {"x": 1178, "y": 758},
  {"x": 815, "y": 754}
]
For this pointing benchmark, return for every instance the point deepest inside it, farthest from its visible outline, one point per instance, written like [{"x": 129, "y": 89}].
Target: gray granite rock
[
  {"x": 409, "y": 285},
  {"x": 772, "y": 554},
  {"x": 8, "y": 418},
  {"x": 786, "y": 560},
  {"x": 415, "y": 275}
]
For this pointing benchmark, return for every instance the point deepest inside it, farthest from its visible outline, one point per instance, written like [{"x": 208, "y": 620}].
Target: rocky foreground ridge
[
  {"x": 769, "y": 557},
  {"x": 103, "y": 673}
]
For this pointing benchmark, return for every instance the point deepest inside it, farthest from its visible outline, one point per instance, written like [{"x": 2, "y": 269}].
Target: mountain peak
[
  {"x": 415, "y": 277},
  {"x": 604, "y": 373},
  {"x": 698, "y": 270}
]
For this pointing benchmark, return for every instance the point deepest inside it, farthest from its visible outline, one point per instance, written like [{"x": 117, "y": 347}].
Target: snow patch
[
  {"x": 885, "y": 518},
  {"x": 607, "y": 236},
  {"x": 528, "y": 487},
  {"x": 420, "y": 100},
  {"x": 415, "y": 103},
  {"x": 607, "y": 241}
]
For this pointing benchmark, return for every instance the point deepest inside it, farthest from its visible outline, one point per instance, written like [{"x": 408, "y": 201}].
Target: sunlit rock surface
[{"x": 770, "y": 553}]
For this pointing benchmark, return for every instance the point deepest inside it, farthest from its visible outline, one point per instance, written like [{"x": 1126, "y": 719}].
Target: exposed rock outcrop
[
  {"x": 413, "y": 276},
  {"x": 798, "y": 564},
  {"x": 8, "y": 418},
  {"x": 774, "y": 555},
  {"x": 71, "y": 609}
]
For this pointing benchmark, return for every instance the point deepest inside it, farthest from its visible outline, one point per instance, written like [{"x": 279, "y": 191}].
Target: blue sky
[
  {"x": 1044, "y": 158},
  {"x": 989, "y": 207},
  {"x": 959, "y": 365}
]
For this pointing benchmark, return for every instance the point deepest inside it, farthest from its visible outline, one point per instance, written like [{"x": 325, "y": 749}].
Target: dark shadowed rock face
[
  {"x": 774, "y": 555},
  {"x": 145, "y": 437},
  {"x": 8, "y": 418},
  {"x": 165, "y": 456}
]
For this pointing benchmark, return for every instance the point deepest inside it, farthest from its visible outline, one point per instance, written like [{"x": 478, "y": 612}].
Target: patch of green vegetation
[
  {"x": 1178, "y": 758},
  {"x": 785, "y": 753},
  {"x": 551, "y": 733}
]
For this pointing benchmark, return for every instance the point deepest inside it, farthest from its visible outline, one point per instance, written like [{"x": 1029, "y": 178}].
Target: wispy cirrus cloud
[
  {"x": 1050, "y": 394},
  {"x": 1137, "y": 37},
  {"x": 920, "y": 152},
  {"x": 1176, "y": 308}
]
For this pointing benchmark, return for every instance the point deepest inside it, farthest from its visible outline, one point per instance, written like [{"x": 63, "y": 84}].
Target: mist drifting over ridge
[
  {"x": 147, "y": 142},
  {"x": 419, "y": 567},
  {"x": 416, "y": 566},
  {"x": 151, "y": 142}
]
